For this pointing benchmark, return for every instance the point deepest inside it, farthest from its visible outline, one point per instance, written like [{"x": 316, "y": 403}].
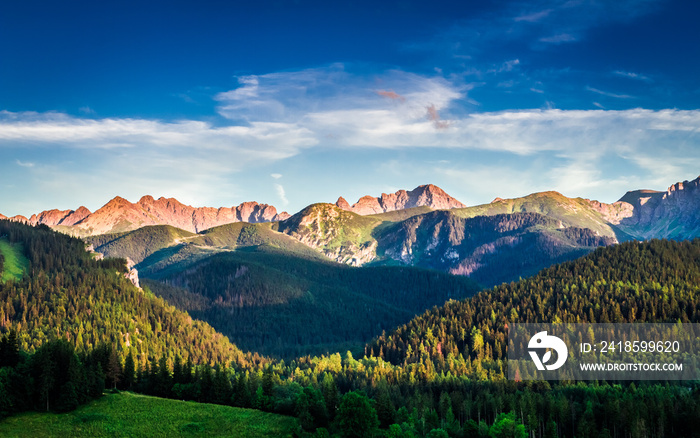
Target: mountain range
[
  {"x": 425, "y": 227},
  {"x": 639, "y": 214},
  {"x": 120, "y": 215}
]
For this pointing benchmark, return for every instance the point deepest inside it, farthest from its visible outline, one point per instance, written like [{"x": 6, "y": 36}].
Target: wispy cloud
[
  {"x": 506, "y": 66},
  {"x": 276, "y": 175},
  {"x": 550, "y": 22},
  {"x": 534, "y": 16},
  {"x": 559, "y": 38},
  {"x": 25, "y": 163},
  {"x": 632, "y": 75},
  {"x": 608, "y": 94},
  {"x": 281, "y": 194}
]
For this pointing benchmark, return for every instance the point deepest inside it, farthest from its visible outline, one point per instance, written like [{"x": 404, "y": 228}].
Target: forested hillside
[
  {"x": 68, "y": 294},
  {"x": 273, "y": 302},
  {"x": 656, "y": 281}
]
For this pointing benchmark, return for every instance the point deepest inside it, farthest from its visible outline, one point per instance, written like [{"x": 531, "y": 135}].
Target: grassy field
[
  {"x": 15, "y": 261},
  {"x": 133, "y": 415}
]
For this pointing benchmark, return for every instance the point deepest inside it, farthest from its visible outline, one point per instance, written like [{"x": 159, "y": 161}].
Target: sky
[{"x": 294, "y": 102}]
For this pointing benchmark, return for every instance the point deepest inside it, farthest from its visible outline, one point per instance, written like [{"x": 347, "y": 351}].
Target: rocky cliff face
[
  {"x": 489, "y": 249},
  {"x": 613, "y": 213},
  {"x": 426, "y": 195},
  {"x": 120, "y": 215},
  {"x": 673, "y": 214},
  {"x": 59, "y": 217}
]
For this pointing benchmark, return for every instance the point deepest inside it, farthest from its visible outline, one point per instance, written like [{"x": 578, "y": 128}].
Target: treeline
[
  {"x": 53, "y": 378},
  {"x": 368, "y": 397}
]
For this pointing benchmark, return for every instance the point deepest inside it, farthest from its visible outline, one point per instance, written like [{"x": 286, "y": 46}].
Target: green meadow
[
  {"x": 14, "y": 263},
  {"x": 131, "y": 415}
]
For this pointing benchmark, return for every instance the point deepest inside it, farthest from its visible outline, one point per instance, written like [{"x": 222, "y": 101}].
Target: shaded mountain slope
[
  {"x": 489, "y": 249},
  {"x": 267, "y": 300}
]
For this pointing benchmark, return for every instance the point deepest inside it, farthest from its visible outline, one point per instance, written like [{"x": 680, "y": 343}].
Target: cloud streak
[
  {"x": 632, "y": 75},
  {"x": 281, "y": 194},
  {"x": 608, "y": 94}
]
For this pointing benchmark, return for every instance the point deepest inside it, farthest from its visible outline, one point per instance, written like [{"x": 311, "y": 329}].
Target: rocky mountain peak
[
  {"x": 120, "y": 215},
  {"x": 428, "y": 195},
  {"x": 342, "y": 203}
]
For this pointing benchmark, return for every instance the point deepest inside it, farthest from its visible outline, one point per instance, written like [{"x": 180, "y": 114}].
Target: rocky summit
[
  {"x": 120, "y": 215},
  {"x": 422, "y": 196},
  {"x": 672, "y": 214}
]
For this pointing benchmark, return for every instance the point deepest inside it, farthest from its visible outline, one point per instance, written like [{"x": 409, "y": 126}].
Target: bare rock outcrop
[
  {"x": 120, "y": 215},
  {"x": 426, "y": 195}
]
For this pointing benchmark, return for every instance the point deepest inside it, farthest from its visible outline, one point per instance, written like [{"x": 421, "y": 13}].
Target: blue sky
[{"x": 293, "y": 102}]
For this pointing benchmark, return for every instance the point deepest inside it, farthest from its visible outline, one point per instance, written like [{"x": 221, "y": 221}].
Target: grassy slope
[
  {"x": 574, "y": 212},
  {"x": 162, "y": 248},
  {"x": 15, "y": 262},
  {"x": 139, "y": 244},
  {"x": 127, "y": 414}
]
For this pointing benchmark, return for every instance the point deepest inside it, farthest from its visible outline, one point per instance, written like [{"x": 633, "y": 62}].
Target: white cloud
[
  {"x": 281, "y": 194},
  {"x": 608, "y": 94},
  {"x": 632, "y": 75},
  {"x": 259, "y": 140},
  {"x": 276, "y": 175},
  {"x": 25, "y": 163},
  {"x": 289, "y": 97}
]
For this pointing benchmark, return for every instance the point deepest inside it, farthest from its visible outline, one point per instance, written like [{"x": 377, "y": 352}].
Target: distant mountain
[
  {"x": 66, "y": 218},
  {"x": 342, "y": 236},
  {"x": 573, "y": 212},
  {"x": 422, "y": 227},
  {"x": 488, "y": 248},
  {"x": 673, "y": 214},
  {"x": 120, "y": 215},
  {"x": 159, "y": 249},
  {"x": 422, "y": 196}
]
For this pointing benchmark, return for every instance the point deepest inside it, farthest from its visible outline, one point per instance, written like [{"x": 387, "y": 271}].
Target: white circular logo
[{"x": 541, "y": 341}]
